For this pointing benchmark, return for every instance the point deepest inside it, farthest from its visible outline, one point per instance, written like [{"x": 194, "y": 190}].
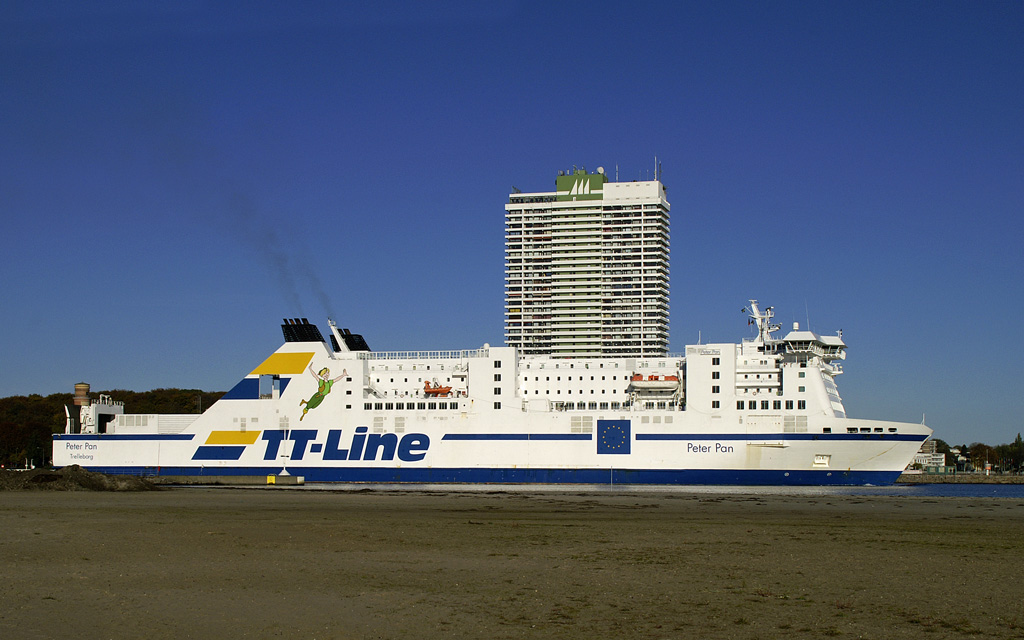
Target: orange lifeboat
[
  {"x": 655, "y": 382},
  {"x": 435, "y": 391}
]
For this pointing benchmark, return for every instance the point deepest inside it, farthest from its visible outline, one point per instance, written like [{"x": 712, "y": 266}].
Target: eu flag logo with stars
[{"x": 613, "y": 436}]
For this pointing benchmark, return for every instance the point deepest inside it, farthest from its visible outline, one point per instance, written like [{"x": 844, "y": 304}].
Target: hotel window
[
  {"x": 497, "y": 364},
  {"x": 715, "y": 362},
  {"x": 801, "y": 389},
  {"x": 777, "y": 405},
  {"x": 497, "y": 391},
  {"x": 789, "y": 405},
  {"x": 739, "y": 404},
  {"x": 497, "y": 377},
  {"x": 752, "y": 404},
  {"x": 802, "y": 374},
  {"x": 715, "y": 375},
  {"x": 801, "y": 404},
  {"x": 497, "y": 405},
  {"x": 714, "y": 404},
  {"x": 764, "y": 405},
  {"x": 714, "y": 389}
]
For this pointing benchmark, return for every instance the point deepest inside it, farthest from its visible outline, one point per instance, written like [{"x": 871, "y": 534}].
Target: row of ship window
[
  {"x": 409, "y": 406},
  {"x": 862, "y": 430},
  {"x": 775, "y": 405},
  {"x": 561, "y": 406},
  {"x": 569, "y": 378}
]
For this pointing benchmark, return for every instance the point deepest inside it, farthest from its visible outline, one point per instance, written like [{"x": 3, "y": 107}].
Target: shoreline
[{"x": 959, "y": 478}]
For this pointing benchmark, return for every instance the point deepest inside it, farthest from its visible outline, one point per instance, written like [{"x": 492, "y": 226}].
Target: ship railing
[
  {"x": 423, "y": 355},
  {"x": 832, "y": 367}
]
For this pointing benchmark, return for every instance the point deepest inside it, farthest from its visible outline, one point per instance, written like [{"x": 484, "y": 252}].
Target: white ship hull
[
  {"x": 459, "y": 453},
  {"x": 509, "y": 420}
]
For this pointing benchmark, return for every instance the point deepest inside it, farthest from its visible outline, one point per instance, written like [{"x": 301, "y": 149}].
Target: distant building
[
  {"x": 587, "y": 268},
  {"x": 928, "y": 456}
]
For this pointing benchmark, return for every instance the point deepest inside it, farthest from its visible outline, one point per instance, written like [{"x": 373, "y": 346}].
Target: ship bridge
[{"x": 825, "y": 347}]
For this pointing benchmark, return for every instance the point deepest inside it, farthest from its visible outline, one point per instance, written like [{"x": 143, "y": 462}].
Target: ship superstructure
[{"x": 763, "y": 411}]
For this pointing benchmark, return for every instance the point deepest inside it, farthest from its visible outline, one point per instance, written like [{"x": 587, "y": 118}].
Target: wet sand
[{"x": 307, "y": 564}]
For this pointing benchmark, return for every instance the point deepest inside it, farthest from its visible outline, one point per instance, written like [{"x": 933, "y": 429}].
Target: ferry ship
[{"x": 765, "y": 410}]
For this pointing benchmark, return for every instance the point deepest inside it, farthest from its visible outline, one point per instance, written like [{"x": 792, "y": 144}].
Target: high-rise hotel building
[{"x": 587, "y": 268}]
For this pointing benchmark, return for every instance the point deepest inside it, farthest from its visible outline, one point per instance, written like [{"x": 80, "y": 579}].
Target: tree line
[
  {"x": 28, "y": 422},
  {"x": 1005, "y": 458}
]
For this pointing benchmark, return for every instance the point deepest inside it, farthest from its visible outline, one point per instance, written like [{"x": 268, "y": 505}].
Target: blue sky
[{"x": 177, "y": 177}]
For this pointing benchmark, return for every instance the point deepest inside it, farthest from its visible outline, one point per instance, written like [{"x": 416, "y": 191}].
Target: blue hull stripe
[
  {"x": 219, "y": 452},
  {"x": 123, "y": 436},
  {"x": 758, "y": 437},
  {"x": 517, "y": 436},
  {"x": 541, "y": 476},
  {"x": 556, "y": 436}
]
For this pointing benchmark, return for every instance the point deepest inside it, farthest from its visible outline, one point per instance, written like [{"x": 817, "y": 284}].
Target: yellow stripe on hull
[{"x": 232, "y": 437}]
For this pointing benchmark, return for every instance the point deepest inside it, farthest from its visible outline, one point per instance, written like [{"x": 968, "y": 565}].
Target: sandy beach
[{"x": 265, "y": 563}]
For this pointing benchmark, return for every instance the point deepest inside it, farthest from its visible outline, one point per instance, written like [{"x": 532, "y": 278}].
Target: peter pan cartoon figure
[{"x": 323, "y": 388}]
